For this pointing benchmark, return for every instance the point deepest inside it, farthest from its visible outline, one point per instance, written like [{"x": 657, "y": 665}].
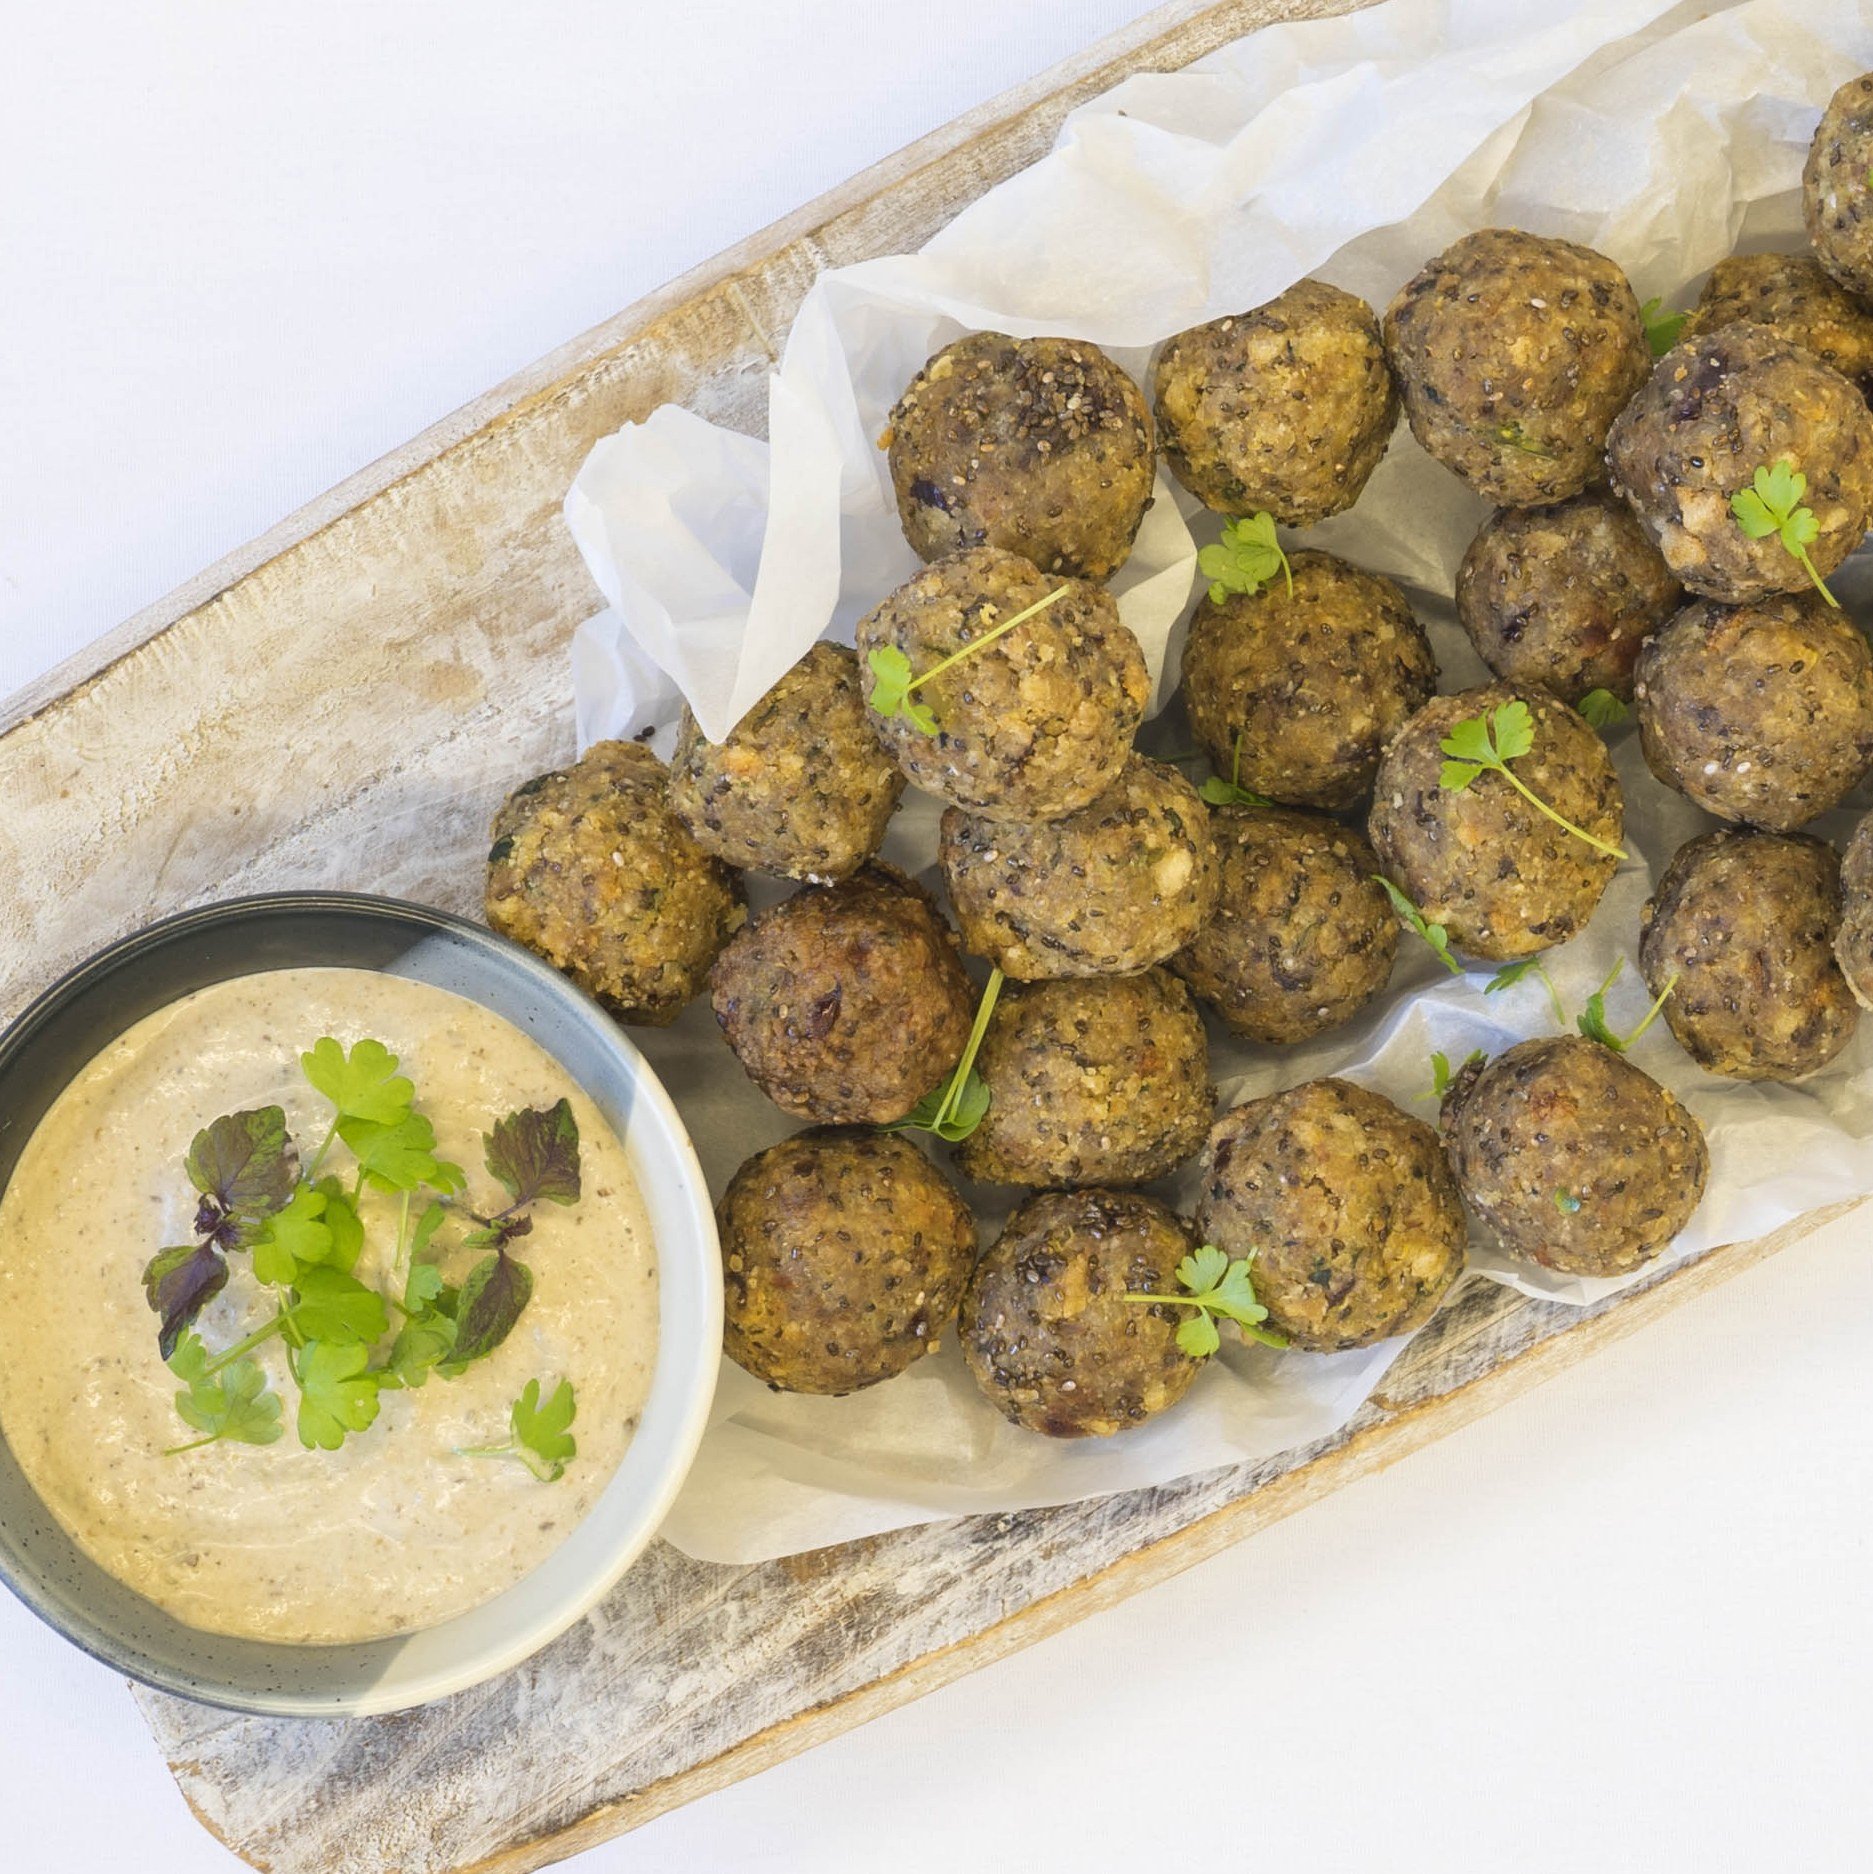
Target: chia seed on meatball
[
  {"x": 1047, "y": 1331},
  {"x": 592, "y": 871},
  {"x": 1836, "y": 202},
  {"x": 1761, "y": 713},
  {"x": 1041, "y": 446},
  {"x": 1716, "y": 409},
  {"x": 1303, "y": 937},
  {"x": 1346, "y": 1205},
  {"x": 1286, "y": 409},
  {"x": 1853, "y": 944},
  {"x": 1035, "y": 724},
  {"x": 1514, "y": 353},
  {"x": 843, "y": 1257},
  {"x": 801, "y": 787},
  {"x": 1746, "y": 922},
  {"x": 1107, "y": 891},
  {"x": 846, "y": 1003},
  {"x": 1795, "y": 297},
  {"x": 1315, "y": 684},
  {"x": 1563, "y": 595},
  {"x": 1501, "y": 877},
  {"x": 1573, "y": 1156},
  {"x": 1091, "y": 1082}
]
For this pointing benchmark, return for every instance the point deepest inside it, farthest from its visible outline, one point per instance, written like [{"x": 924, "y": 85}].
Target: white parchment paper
[{"x": 1666, "y": 136}]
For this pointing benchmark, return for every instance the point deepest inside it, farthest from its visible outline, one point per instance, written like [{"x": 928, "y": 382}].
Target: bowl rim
[{"x": 685, "y": 1424}]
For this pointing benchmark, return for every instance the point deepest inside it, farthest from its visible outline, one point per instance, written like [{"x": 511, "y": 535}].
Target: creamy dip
[{"x": 394, "y": 1531}]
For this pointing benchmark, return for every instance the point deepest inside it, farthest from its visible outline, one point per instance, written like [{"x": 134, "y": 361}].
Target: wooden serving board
[{"x": 213, "y": 745}]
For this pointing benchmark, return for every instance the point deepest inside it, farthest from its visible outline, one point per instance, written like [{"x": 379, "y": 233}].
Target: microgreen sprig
[
  {"x": 1231, "y": 793},
  {"x": 1443, "y": 1074},
  {"x": 1217, "y": 1286},
  {"x": 1602, "y": 709},
  {"x": 1592, "y": 1020},
  {"x": 893, "y": 680},
  {"x": 1246, "y": 558},
  {"x": 539, "y": 1435},
  {"x": 954, "y": 1110},
  {"x": 1772, "y": 505},
  {"x": 1487, "y": 744},
  {"x": 1512, "y": 973},
  {"x": 1661, "y": 327},
  {"x": 1433, "y": 934}
]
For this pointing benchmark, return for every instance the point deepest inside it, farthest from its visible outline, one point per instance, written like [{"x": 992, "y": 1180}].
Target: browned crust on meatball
[
  {"x": 1107, "y": 891},
  {"x": 1315, "y": 682},
  {"x": 1039, "y": 445},
  {"x": 846, "y": 1003},
  {"x": 1101, "y": 1081},
  {"x": 1745, "y": 923},
  {"x": 1716, "y": 409},
  {"x": 1035, "y": 724},
  {"x": 1287, "y": 408},
  {"x": 1573, "y": 1156},
  {"x": 1836, "y": 200},
  {"x": 843, "y": 1256},
  {"x": 1303, "y": 937},
  {"x": 1853, "y": 943},
  {"x": 1046, "y": 1328},
  {"x": 591, "y": 870},
  {"x": 1761, "y": 713},
  {"x": 1793, "y": 295},
  {"x": 1501, "y": 877},
  {"x": 1564, "y": 595},
  {"x": 1514, "y": 353},
  {"x": 1345, "y": 1205},
  {"x": 802, "y": 787}
]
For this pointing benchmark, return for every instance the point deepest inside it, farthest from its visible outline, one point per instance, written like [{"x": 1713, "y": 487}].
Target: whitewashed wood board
[{"x": 343, "y": 703}]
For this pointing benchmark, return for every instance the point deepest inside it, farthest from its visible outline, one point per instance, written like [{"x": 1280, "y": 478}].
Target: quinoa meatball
[
  {"x": 1107, "y": 891},
  {"x": 1309, "y": 686},
  {"x": 591, "y": 870},
  {"x": 801, "y": 787},
  {"x": 1761, "y": 713},
  {"x": 1303, "y": 937},
  {"x": 843, "y": 1256},
  {"x": 1046, "y": 1328},
  {"x": 1514, "y": 353},
  {"x": 1836, "y": 196},
  {"x": 846, "y": 1003},
  {"x": 1717, "y": 408},
  {"x": 1033, "y": 725},
  {"x": 1346, "y": 1205},
  {"x": 1041, "y": 446},
  {"x": 1573, "y": 1156},
  {"x": 1091, "y": 1082},
  {"x": 1795, "y": 297},
  {"x": 1853, "y": 944},
  {"x": 1742, "y": 925},
  {"x": 1563, "y": 595},
  {"x": 1501, "y": 877},
  {"x": 1285, "y": 409}
]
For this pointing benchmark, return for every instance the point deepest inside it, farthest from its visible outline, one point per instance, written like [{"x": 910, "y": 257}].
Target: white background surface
[{"x": 1623, "y": 1623}]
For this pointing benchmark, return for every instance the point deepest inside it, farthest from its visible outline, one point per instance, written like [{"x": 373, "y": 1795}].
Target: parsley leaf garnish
[
  {"x": 1592, "y": 1020},
  {"x": 399, "y": 1157},
  {"x": 1661, "y": 327},
  {"x": 336, "y": 1395},
  {"x": 363, "y": 1084},
  {"x": 1217, "y": 1286},
  {"x": 1246, "y": 558},
  {"x": 1487, "y": 744},
  {"x": 232, "y": 1404},
  {"x": 1772, "y": 505},
  {"x": 893, "y": 680},
  {"x": 1602, "y": 709},
  {"x": 540, "y": 1437},
  {"x": 1231, "y": 793},
  {"x": 293, "y": 1236},
  {"x": 1433, "y": 934},
  {"x": 954, "y": 1110}
]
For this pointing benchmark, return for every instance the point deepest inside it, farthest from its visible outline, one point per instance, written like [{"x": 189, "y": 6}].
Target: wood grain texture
[{"x": 211, "y": 746}]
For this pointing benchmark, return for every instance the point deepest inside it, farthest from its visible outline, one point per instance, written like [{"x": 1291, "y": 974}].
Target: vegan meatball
[
  {"x": 1308, "y": 686},
  {"x": 1501, "y": 877},
  {"x": 1285, "y": 409},
  {"x": 1109, "y": 890},
  {"x": 1036, "y": 723},
  {"x": 801, "y": 787},
  {"x": 846, "y": 1003},
  {"x": 1794, "y": 296},
  {"x": 591, "y": 869},
  {"x": 1041, "y": 446},
  {"x": 1742, "y": 927},
  {"x": 1573, "y": 1156},
  {"x": 1853, "y": 945},
  {"x": 1716, "y": 409},
  {"x": 843, "y": 1256},
  {"x": 1046, "y": 1328},
  {"x": 1761, "y": 713},
  {"x": 1346, "y": 1205},
  {"x": 1835, "y": 198},
  {"x": 1303, "y": 937},
  {"x": 1563, "y": 595},
  {"x": 1514, "y": 353},
  {"x": 1100, "y": 1082}
]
